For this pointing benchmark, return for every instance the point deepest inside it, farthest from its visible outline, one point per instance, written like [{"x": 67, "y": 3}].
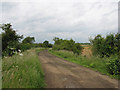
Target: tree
[
  {"x": 77, "y": 49},
  {"x": 117, "y": 43},
  {"x": 40, "y": 45},
  {"x": 29, "y": 40},
  {"x": 107, "y": 46},
  {"x": 69, "y": 45},
  {"x": 98, "y": 45},
  {"x": 45, "y": 44},
  {"x": 50, "y": 45},
  {"x": 10, "y": 38},
  {"x": 57, "y": 40}
]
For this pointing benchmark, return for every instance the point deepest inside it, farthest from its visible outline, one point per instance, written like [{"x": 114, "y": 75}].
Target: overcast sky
[{"x": 46, "y": 19}]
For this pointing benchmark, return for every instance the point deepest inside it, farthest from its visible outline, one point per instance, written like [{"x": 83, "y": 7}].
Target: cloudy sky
[{"x": 46, "y": 19}]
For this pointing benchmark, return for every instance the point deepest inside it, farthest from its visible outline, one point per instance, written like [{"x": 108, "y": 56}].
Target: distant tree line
[
  {"x": 69, "y": 45},
  {"x": 85, "y": 43},
  {"x": 11, "y": 41}
]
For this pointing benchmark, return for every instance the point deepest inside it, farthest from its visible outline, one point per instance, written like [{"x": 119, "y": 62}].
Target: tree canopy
[
  {"x": 29, "y": 40},
  {"x": 9, "y": 36},
  {"x": 69, "y": 45},
  {"x": 45, "y": 44},
  {"x": 107, "y": 46}
]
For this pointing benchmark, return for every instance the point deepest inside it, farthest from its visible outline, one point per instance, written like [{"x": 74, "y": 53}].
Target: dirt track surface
[{"x": 64, "y": 74}]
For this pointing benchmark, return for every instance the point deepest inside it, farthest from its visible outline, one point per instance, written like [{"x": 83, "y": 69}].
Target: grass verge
[
  {"x": 95, "y": 63},
  {"x": 23, "y": 71}
]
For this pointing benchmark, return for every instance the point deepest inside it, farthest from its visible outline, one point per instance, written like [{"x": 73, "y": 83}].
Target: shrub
[
  {"x": 45, "y": 44},
  {"x": 69, "y": 45},
  {"x": 10, "y": 39},
  {"x": 26, "y": 46},
  {"x": 113, "y": 65},
  {"x": 106, "y": 46},
  {"x": 77, "y": 49},
  {"x": 56, "y": 47}
]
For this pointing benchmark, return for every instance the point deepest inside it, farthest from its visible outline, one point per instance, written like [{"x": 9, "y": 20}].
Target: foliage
[
  {"x": 11, "y": 49},
  {"x": 69, "y": 45},
  {"x": 113, "y": 66},
  {"x": 50, "y": 45},
  {"x": 46, "y": 44},
  {"x": 10, "y": 39},
  {"x": 9, "y": 36},
  {"x": 77, "y": 49},
  {"x": 25, "y": 46},
  {"x": 35, "y": 45},
  {"x": 23, "y": 71},
  {"x": 29, "y": 40},
  {"x": 106, "y": 46},
  {"x": 40, "y": 45},
  {"x": 85, "y": 43}
]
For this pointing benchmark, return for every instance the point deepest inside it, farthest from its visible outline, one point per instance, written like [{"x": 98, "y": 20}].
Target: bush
[
  {"x": 77, "y": 49},
  {"x": 46, "y": 44},
  {"x": 56, "y": 47},
  {"x": 106, "y": 46},
  {"x": 10, "y": 39},
  {"x": 11, "y": 49},
  {"x": 24, "y": 47},
  {"x": 69, "y": 45},
  {"x": 113, "y": 65}
]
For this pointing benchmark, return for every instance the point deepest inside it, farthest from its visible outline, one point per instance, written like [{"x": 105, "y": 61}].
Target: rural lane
[{"x": 64, "y": 74}]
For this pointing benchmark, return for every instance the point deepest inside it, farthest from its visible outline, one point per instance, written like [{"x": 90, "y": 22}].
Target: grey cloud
[{"x": 65, "y": 19}]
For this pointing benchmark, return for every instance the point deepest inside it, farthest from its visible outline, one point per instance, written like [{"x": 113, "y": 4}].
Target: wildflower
[
  {"x": 6, "y": 57},
  {"x": 15, "y": 52},
  {"x": 12, "y": 48},
  {"x": 19, "y": 80},
  {"x": 19, "y": 50},
  {"x": 20, "y": 54}
]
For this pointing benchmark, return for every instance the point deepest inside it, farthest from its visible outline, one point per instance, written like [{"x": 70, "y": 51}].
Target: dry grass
[{"x": 86, "y": 52}]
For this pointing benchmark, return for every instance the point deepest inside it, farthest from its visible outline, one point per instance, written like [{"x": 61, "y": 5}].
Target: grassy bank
[
  {"x": 95, "y": 63},
  {"x": 23, "y": 71}
]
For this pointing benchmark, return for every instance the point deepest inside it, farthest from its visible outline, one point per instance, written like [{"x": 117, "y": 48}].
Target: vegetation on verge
[
  {"x": 108, "y": 47},
  {"x": 102, "y": 48},
  {"x": 23, "y": 71}
]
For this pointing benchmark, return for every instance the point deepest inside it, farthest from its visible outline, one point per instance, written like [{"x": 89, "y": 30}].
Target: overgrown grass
[
  {"x": 23, "y": 71},
  {"x": 95, "y": 63}
]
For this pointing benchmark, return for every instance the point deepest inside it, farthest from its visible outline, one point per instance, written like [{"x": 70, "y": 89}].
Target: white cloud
[{"x": 46, "y": 19}]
